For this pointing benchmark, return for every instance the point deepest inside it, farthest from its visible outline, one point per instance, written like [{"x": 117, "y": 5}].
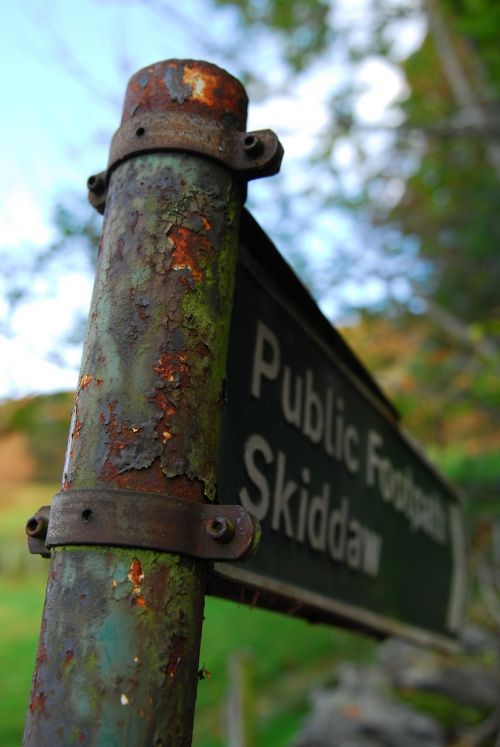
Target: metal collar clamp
[
  {"x": 249, "y": 154},
  {"x": 123, "y": 518}
]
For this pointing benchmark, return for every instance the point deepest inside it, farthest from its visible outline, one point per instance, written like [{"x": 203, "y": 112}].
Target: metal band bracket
[
  {"x": 143, "y": 520},
  {"x": 249, "y": 154}
]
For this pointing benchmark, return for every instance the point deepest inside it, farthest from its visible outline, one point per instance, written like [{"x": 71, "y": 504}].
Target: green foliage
[
  {"x": 478, "y": 477},
  {"x": 45, "y": 421},
  {"x": 479, "y": 21},
  {"x": 450, "y": 714},
  {"x": 301, "y": 24},
  {"x": 451, "y": 199},
  {"x": 20, "y": 613}
]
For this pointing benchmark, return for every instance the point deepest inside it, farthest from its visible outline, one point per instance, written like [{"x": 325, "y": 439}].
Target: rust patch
[
  {"x": 86, "y": 380},
  {"x": 190, "y": 249},
  {"x": 173, "y": 368},
  {"x": 41, "y": 656},
  {"x": 69, "y": 656},
  {"x": 150, "y": 480},
  {"x": 136, "y": 214},
  {"x": 178, "y": 647},
  {"x": 37, "y": 702},
  {"x": 77, "y": 429},
  {"x": 209, "y": 88},
  {"x": 190, "y": 86},
  {"x": 164, "y": 404},
  {"x": 142, "y": 311},
  {"x": 183, "y": 487},
  {"x": 136, "y": 577},
  {"x": 68, "y": 659},
  {"x": 128, "y": 447},
  {"x": 202, "y": 350}
]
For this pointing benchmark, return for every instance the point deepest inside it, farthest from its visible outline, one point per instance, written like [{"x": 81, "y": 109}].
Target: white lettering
[
  {"x": 318, "y": 517},
  {"x": 291, "y": 412},
  {"x": 372, "y": 545},
  {"x": 282, "y": 495},
  {"x": 373, "y": 461},
  {"x": 337, "y": 531},
  {"x": 292, "y": 508},
  {"x": 262, "y": 366},
  {"x": 351, "y": 445},
  {"x": 255, "y": 445},
  {"x": 313, "y": 411}
]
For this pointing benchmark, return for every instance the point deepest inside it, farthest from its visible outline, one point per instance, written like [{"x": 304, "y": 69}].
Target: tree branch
[{"x": 462, "y": 90}]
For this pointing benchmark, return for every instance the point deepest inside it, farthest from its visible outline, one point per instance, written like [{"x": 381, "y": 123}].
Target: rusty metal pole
[{"x": 118, "y": 653}]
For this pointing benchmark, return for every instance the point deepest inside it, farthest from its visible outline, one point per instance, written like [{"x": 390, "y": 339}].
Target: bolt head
[
  {"x": 220, "y": 529},
  {"x": 96, "y": 184},
  {"x": 253, "y": 145},
  {"x": 36, "y": 527}
]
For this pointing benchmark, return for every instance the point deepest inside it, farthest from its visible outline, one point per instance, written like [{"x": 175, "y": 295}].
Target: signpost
[
  {"x": 133, "y": 532},
  {"x": 175, "y": 412},
  {"x": 357, "y": 527}
]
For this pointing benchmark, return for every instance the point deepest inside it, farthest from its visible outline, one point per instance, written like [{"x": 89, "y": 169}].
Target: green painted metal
[
  {"x": 160, "y": 317},
  {"x": 358, "y": 528},
  {"x": 118, "y": 655}
]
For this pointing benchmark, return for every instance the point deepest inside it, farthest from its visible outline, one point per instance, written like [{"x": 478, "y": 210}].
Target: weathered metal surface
[
  {"x": 118, "y": 653},
  {"x": 143, "y": 520},
  {"x": 187, "y": 86},
  {"x": 117, "y": 633},
  {"x": 251, "y": 154},
  {"x": 157, "y": 337},
  {"x": 357, "y": 526},
  {"x": 188, "y": 91}
]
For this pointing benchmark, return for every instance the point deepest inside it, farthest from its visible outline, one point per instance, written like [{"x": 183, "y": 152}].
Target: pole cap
[{"x": 189, "y": 86}]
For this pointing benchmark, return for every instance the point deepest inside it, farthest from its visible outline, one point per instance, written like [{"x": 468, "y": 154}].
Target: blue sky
[{"x": 66, "y": 65}]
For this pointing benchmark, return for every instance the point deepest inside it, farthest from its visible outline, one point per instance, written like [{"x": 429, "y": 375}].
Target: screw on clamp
[
  {"x": 36, "y": 529},
  {"x": 124, "y": 518},
  {"x": 220, "y": 529}
]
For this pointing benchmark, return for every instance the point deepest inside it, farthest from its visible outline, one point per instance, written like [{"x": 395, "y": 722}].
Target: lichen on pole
[{"x": 118, "y": 653}]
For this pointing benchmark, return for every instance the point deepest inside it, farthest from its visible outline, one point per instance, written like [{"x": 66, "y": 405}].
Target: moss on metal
[
  {"x": 119, "y": 643},
  {"x": 160, "y": 321},
  {"x": 123, "y": 649}
]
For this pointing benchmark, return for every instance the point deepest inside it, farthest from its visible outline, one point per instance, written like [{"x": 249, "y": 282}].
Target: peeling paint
[
  {"x": 177, "y": 648},
  {"x": 86, "y": 380},
  {"x": 122, "y": 627},
  {"x": 136, "y": 577}
]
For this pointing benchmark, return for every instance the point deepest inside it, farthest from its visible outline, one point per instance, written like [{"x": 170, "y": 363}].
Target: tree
[{"x": 403, "y": 206}]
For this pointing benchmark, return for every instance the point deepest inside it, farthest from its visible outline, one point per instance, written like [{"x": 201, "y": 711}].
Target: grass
[
  {"x": 287, "y": 657},
  {"x": 20, "y": 613}
]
